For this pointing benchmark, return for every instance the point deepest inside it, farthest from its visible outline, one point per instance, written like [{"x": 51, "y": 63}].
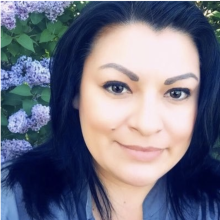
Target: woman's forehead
[{"x": 141, "y": 48}]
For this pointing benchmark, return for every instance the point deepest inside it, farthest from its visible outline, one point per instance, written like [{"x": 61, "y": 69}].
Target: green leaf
[
  {"x": 25, "y": 51},
  {"x": 19, "y": 29},
  {"x": 24, "y": 22},
  {"x": 14, "y": 48},
  {"x": 36, "y": 90},
  {"x": 43, "y": 130},
  {"x": 32, "y": 136},
  {"x": 51, "y": 46},
  {"x": 54, "y": 28},
  {"x": 45, "y": 95},
  {"x": 79, "y": 5},
  {"x": 215, "y": 14},
  {"x": 46, "y": 36},
  {"x": 23, "y": 90},
  {"x": 36, "y": 18},
  {"x": 42, "y": 25},
  {"x": 19, "y": 136},
  {"x": 5, "y": 40},
  {"x": 14, "y": 59},
  {"x": 10, "y": 110},
  {"x": 4, "y": 120},
  {"x": 5, "y": 133},
  {"x": 12, "y": 99},
  {"x": 25, "y": 41},
  {"x": 37, "y": 37},
  {"x": 65, "y": 17},
  {"x": 27, "y": 105},
  {"x": 4, "y": 57},
  {"x": 62, "y": 31}
]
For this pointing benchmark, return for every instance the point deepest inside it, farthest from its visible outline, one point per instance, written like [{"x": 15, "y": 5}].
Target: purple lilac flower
[
  {"x": 36, "y": 74},
  {"x": 8, "y": 12},
  {"x": 11, "y": 78},
  {"x": 22, "y": 9},
  {"x": 45, "y": 62},
  {"x": 13, "y": 148},
  {"x": 18, "y": 122},
  {"x": 23, "y": 60},
  {"x": 40, "y": 117},
  {"x": 55, "y": 9},
  {"x": 14, "y": 77}
]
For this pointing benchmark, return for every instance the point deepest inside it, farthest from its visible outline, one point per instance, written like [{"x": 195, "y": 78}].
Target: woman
[{"x": 134, "y": 90}]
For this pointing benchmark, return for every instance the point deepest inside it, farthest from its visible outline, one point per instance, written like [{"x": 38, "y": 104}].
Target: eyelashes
[
  {"x": 178, "y": 93},
  {"x": 119, "y": 88}
]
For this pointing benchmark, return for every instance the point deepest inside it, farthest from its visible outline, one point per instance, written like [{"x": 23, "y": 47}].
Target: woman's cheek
[{"x": 180, "y": 123}]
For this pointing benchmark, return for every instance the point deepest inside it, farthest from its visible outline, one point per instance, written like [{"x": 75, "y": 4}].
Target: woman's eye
[
  {"x": 116, "y": 87},
  {"x": 178, "y": 93}
]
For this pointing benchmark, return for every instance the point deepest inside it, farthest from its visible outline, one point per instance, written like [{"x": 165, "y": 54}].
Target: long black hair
[{"x": 64, "y": 164}]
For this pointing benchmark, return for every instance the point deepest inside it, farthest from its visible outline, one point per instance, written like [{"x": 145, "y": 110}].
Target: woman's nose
[{"x": 146, "y": 117}]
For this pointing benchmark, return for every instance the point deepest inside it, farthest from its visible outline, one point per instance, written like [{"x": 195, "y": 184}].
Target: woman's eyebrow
[
  {"x": 180, "y": 77},
  {"x": 134, "y": 77},
  {"x": 121, "y": 69}
]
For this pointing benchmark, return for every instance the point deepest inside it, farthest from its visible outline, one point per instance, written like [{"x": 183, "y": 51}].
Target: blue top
[{"x": 155, "y": 207}]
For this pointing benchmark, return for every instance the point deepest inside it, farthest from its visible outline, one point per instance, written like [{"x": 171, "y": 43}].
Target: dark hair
[{"x": 64, "y": 164}]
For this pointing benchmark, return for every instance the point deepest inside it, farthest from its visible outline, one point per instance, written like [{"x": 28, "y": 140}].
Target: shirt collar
[
  {"x": 89, "y": 215},
  {"x": 156, "y": 199},
  {"x": 153, "y": 203}
]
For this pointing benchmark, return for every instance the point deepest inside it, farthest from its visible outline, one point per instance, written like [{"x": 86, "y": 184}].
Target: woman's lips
[
  {"x": 144, "y": 149},
  {"x": 142, "y": 153}
]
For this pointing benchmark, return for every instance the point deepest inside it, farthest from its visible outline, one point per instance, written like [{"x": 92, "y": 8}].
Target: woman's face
[{"x": 138, "y": 102}]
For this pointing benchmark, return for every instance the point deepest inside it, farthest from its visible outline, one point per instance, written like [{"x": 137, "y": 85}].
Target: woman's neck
[{"x": 125, "y": 199}]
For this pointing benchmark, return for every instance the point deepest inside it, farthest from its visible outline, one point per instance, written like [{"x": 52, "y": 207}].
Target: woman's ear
[{"x": 76, "y": 102}]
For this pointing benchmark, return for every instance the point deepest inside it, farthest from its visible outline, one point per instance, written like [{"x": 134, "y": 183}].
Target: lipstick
[{"x": 142, "y": 153}]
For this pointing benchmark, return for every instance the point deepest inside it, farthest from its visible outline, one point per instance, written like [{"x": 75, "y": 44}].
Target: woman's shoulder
[
  {"x": 8, "y": 201},
  {"x": 35, "y": 171},
  {"x": 33, "y": 183},
  {"x": 207, "y": 208},
  {"x": 27, "y": 183},
  {"x": 14, "y": 207},
  {"x": 205, "y": 198}
]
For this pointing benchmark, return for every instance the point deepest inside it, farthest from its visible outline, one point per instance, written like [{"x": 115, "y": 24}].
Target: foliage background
[{"x": 36, "y": 37}]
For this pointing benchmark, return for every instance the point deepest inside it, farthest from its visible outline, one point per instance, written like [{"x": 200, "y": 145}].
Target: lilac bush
[
  {"x": 40, "y": 116},
  {"x": 8, "y": 12},
  {"x": 19, "y": 122},
  {"x": 45, "y": 62},
  {"x": 11, "y": 78},
  {"x": 26, "y": 70},
  {"x": 23, "y": 60},
  {"x": 53, "y": 9},
  {"x": 13, "y": 148},
  {"x": 32, "y": 29},
  {"x": 36, "y": 74},
  {"x": 21, "y": 9}
]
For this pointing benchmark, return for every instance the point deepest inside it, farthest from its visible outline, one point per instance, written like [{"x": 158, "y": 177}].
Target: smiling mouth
[
  {"x": 145, "y": 154},
  {"x": 139, "y": 148}
]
